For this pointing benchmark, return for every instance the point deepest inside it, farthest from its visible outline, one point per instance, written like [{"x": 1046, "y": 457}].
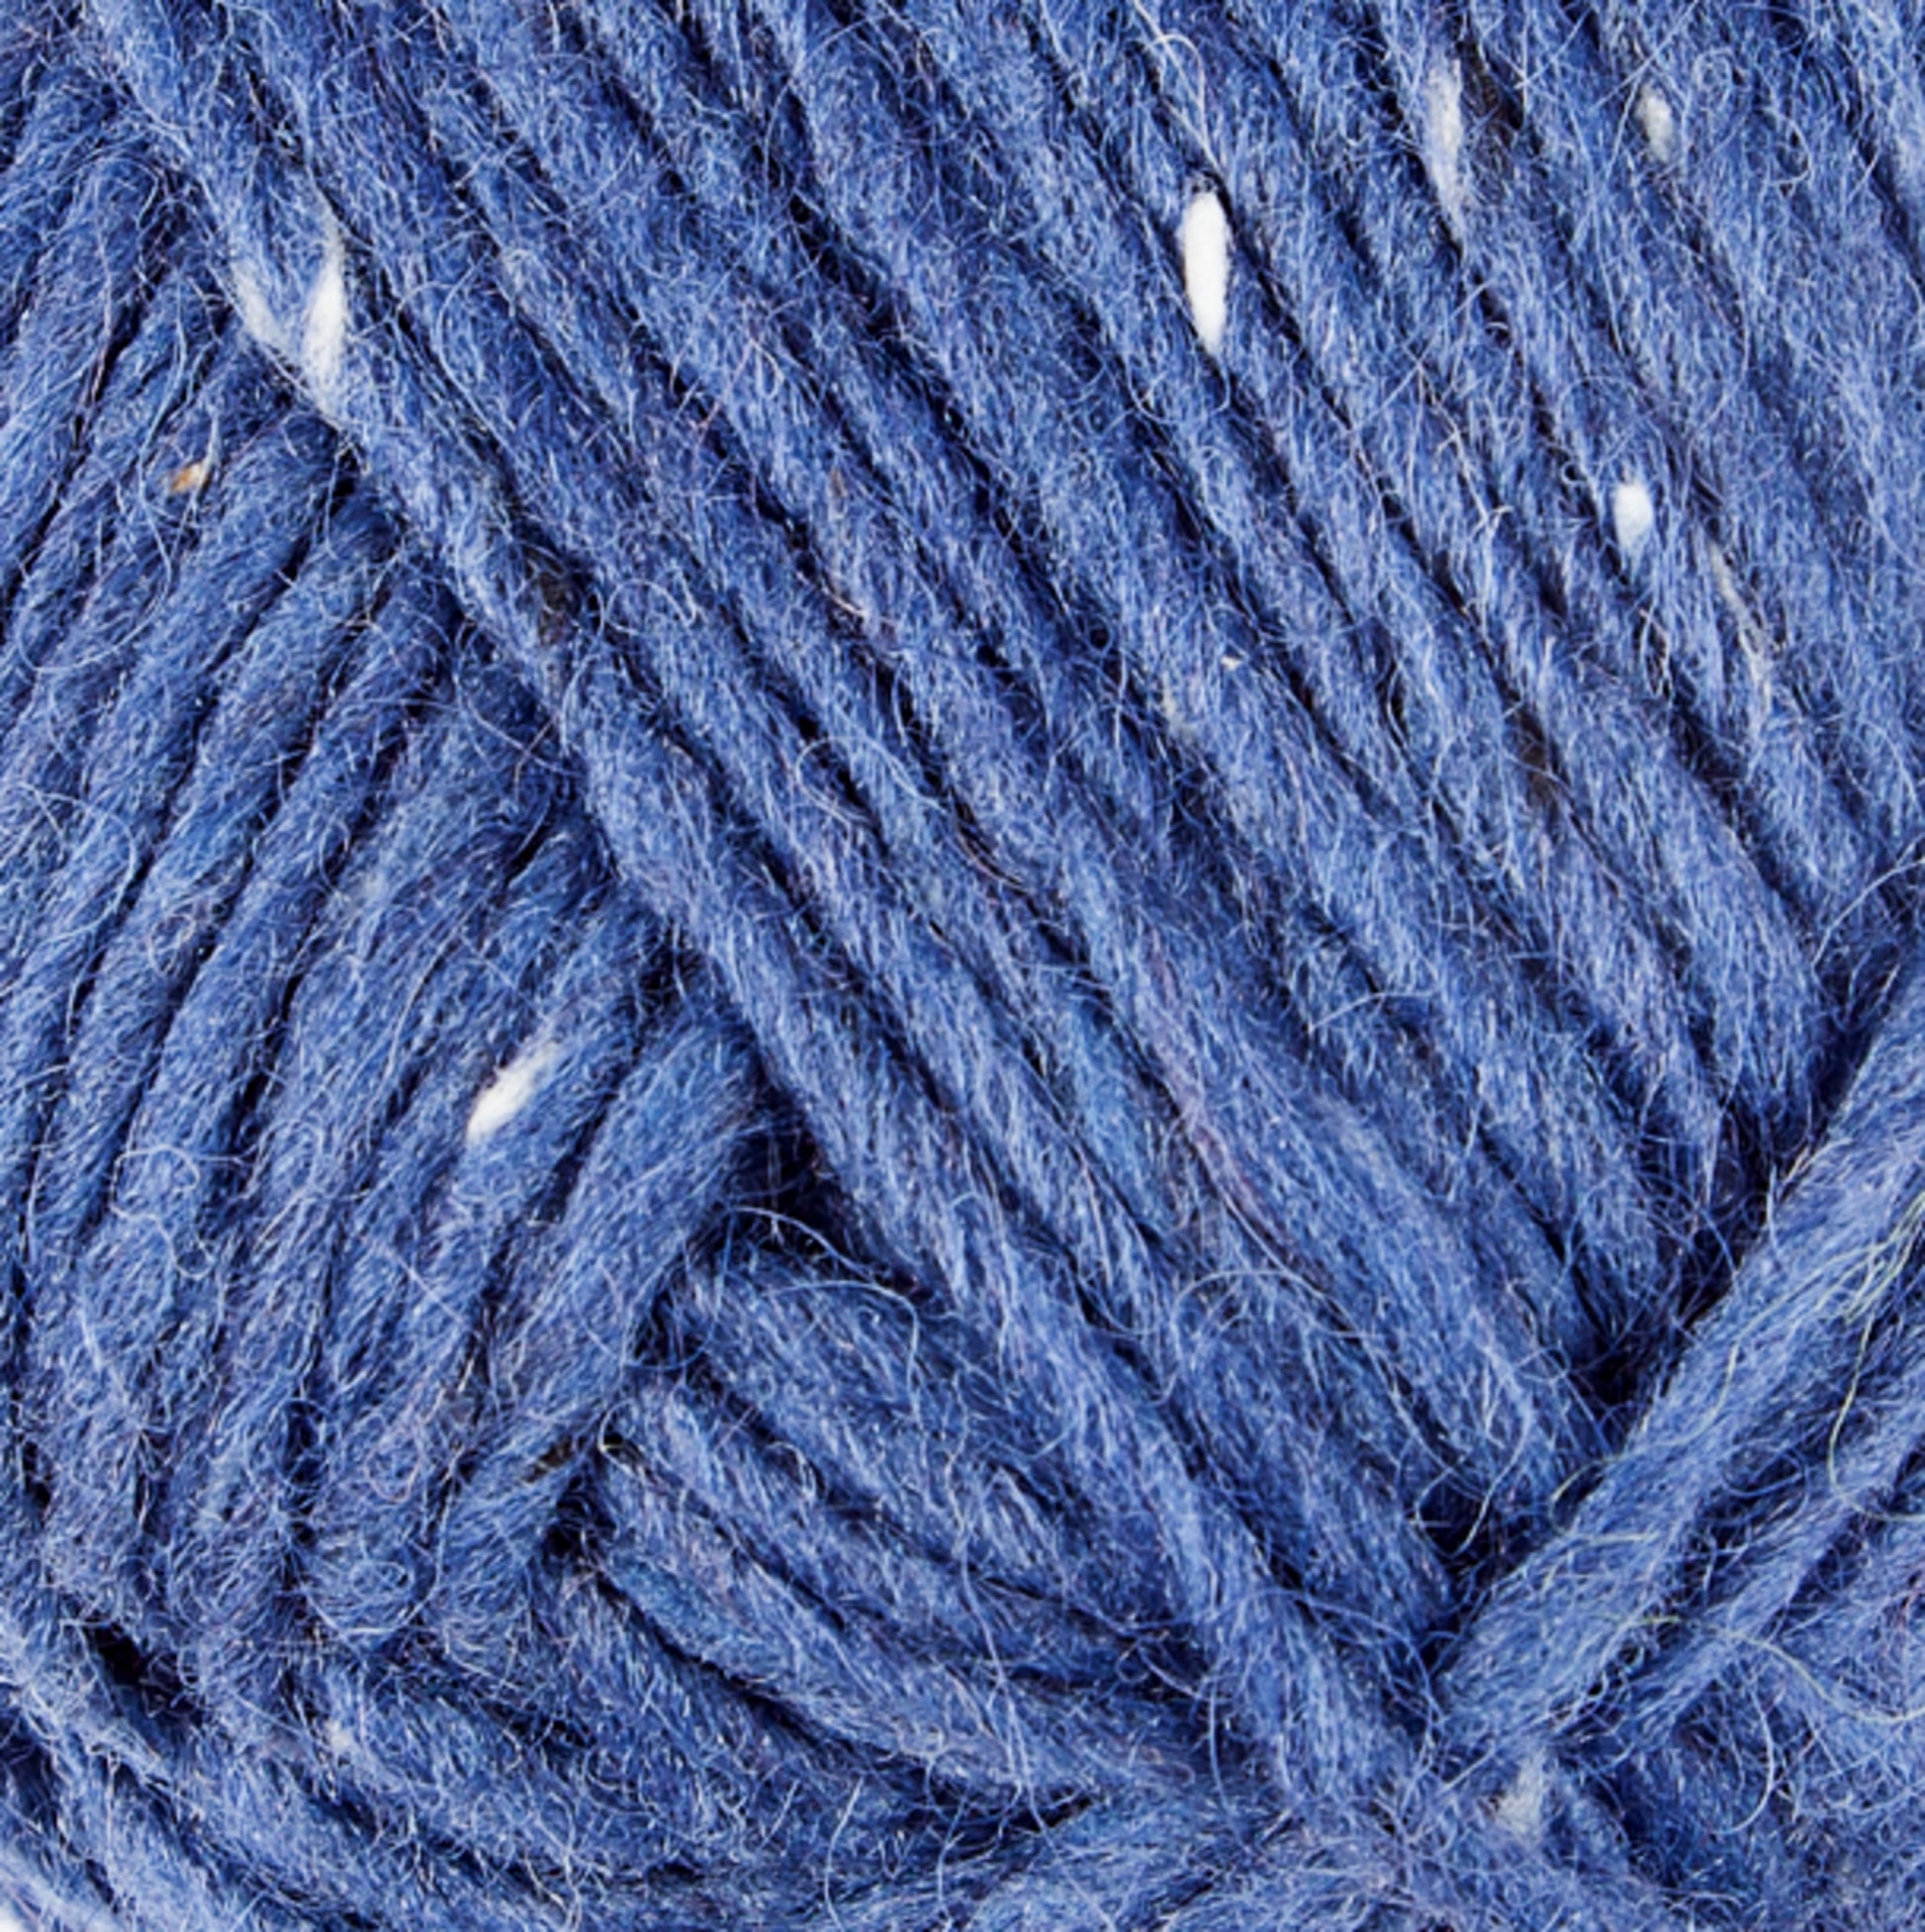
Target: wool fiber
[{"x": 961, "y": 965}]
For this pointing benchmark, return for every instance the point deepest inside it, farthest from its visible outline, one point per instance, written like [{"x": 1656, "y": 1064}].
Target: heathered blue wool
[{"x": 847, "y": 1084}]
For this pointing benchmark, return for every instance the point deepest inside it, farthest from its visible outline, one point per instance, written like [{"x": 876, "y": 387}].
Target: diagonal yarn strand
[{"x": 960, "y": 967}]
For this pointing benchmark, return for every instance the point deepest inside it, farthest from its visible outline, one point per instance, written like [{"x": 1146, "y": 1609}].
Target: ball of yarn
[{"x": 959, "y": 966}]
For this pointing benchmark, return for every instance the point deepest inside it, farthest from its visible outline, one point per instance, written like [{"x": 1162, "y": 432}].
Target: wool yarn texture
[{"x": 961, "y": 965}]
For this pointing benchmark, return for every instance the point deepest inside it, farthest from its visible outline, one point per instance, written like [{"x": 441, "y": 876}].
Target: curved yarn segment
[{"x": 960, "y": 965}]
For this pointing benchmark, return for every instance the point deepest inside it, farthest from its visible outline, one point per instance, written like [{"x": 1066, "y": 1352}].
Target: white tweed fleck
[
  {"x": 1521, "y": 1810},
  {"x": 510, "y": 1091},
  {"x": 1632, "y": 516},
  {"x": 1660, "y": 125},
  {"x": 1443, "y": 136},
  {"x": 256, "y": 313},
  {"x": 324, "y": 326},
  {"x": 1205, "y": 240}
]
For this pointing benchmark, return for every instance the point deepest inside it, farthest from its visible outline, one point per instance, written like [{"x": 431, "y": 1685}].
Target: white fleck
[
  {"x": 1443, "y": 135},
  {"x": 1521, "y": 1810},
  {"x": 341, "y": 1740},
  {"x": 510, "y": 1091},
  {"x": 1660, "y": 125},
  {"x": 1633, "y": 516},
  {"x": 323, "y": 325},
  {"x": 1205, "y": 241},
  {"x": 256, "y": 313},
  {"x": 1232, "y": 662}
]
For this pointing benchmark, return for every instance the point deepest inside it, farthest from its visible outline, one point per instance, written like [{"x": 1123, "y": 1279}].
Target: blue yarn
[{"x": 849, "y": 1081}]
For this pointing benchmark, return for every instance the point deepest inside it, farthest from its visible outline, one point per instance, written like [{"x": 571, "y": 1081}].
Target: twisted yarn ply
[{"x": 960, "y": 965}]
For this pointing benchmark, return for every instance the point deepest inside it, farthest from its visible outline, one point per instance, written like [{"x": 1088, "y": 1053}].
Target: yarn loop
[{"x": 960, "y": 968}]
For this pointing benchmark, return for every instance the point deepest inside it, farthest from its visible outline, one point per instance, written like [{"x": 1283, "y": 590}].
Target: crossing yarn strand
[{"x": 960, "y": 967}]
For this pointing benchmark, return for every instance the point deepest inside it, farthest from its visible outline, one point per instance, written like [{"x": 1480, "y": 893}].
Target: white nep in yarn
[
  {"x": 1205, "y": 240},
  {"x": 510, "y": 1091}
]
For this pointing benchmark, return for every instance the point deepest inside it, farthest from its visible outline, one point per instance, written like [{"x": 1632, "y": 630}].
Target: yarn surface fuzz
[{"x": 961, "y": 965}]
